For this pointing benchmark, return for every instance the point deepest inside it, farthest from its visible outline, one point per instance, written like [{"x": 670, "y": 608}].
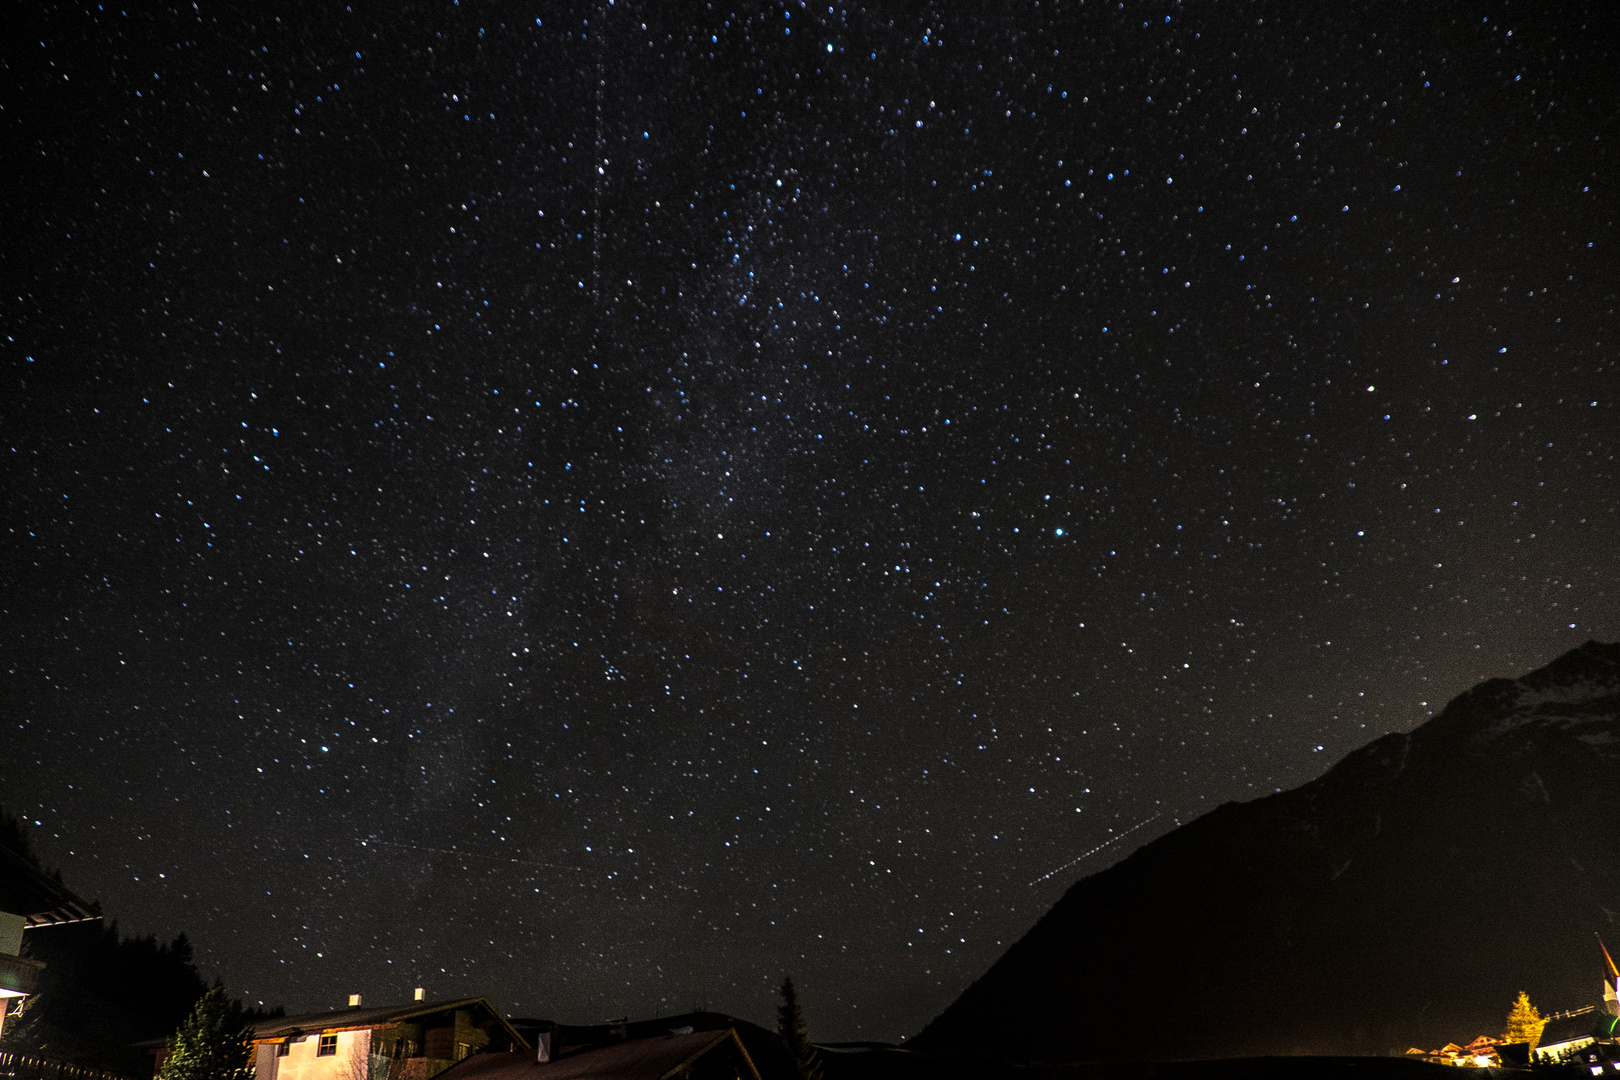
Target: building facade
[{"x": 407, "y": 1042}]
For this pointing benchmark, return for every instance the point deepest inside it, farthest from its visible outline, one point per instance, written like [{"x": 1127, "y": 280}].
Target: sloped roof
[
  {"x": 27, "y": 891},
  {"x": 766, "y": 1052},
  {"x": 283, "y": 1027},
  {"x": 633, "y": 1059},
  {"x": 1564, "y": 1029}
]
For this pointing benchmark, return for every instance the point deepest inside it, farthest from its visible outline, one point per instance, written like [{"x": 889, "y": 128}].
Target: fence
[{"x": 14, "y": 1066}]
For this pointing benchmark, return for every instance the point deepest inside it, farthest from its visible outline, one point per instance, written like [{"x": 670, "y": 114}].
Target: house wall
[
  {"x": 303, "y": 1062},
  {"x": 264, "y": 1061},
  {"x": 1554, "y": 1051}
]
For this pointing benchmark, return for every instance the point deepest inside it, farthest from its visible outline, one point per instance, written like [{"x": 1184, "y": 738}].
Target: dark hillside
[{"x": 1401, "y": 899}]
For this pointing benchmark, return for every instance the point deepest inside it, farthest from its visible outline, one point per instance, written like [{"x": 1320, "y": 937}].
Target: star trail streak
[{"x": 1093, "y": 851}]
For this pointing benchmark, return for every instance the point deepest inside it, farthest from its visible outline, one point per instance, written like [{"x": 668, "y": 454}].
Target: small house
[
  {"x": 416, "y": 1041},
  {"x": 1480, "y": 1054},
  {"x": 1563, "y": 1035},
  {"x": 679, "y": 1054}
]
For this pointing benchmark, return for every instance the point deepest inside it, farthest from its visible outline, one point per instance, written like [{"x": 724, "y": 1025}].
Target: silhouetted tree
[
  {"x": 213, "y": 1044},
  {"x": 796, "y": 1034},
  {"x": 14, "y": 838},
  {"x": 99, "y": 991}
]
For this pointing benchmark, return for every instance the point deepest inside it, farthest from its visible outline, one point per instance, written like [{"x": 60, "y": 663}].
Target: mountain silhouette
[{"x": 1402, "y": 899}]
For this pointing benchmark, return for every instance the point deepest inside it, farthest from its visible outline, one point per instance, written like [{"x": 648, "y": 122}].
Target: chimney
[
  {"x": 421, "y": 994},
  {"x": 354, "y": 1001}
]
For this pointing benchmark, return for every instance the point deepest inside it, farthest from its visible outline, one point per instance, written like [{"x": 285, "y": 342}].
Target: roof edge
[{"x": 286, "y": 1027}]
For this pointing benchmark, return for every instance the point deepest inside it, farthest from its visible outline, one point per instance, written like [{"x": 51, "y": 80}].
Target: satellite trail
[
  {"x": 1096, "y": 849},
  {"x": 469, "y": 855}
]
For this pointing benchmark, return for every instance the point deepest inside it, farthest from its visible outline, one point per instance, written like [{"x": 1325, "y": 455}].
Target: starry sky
[{"x": 606, "y": 505}]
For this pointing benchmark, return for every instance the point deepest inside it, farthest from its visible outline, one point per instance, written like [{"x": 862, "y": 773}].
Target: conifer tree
[
  {"x": 1524, "y": 1022},
  {"x": 213, "y": 1044},
  {"x": 796, "y": 1035}
]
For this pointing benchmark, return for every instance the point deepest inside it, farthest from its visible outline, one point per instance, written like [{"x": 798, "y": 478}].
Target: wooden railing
[{"x": 14, "y": 1066}]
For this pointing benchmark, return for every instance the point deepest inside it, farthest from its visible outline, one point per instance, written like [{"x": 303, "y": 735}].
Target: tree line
[{"x": 101, "y": 990}]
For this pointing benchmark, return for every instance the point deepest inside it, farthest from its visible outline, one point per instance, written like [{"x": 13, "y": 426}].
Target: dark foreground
[{"x": 895, "y": 1064}]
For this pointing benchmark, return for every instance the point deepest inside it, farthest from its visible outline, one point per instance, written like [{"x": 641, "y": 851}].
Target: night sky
[{"x": 607, "y": 506}]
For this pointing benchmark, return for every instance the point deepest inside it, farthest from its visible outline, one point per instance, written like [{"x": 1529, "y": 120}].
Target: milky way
[{"x": 606, "y": 506}]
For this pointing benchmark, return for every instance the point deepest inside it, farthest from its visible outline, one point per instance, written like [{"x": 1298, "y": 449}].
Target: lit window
[{"x": 328, "y": 1046}]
